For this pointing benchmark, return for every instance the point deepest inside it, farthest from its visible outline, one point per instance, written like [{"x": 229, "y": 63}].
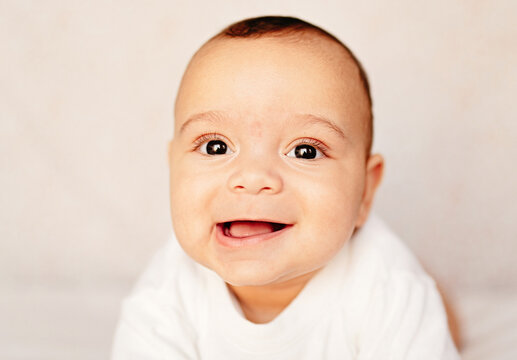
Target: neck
[{"x": 261, "y": 304}]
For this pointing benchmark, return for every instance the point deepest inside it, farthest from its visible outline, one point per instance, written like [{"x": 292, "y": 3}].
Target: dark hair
[{"x": 283, "y": 26}]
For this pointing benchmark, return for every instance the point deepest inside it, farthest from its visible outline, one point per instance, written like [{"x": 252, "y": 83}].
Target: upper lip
[{"x": 276, "y": 221}]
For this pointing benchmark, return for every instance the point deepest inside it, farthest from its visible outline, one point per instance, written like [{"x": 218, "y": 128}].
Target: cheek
[
  {"x": 188, "y": 186},
  {"x": 191, "y": 231},
  {"x": 189, "y": 203},
  {"x": 330, "y": 210},
  {"x": 335, "y": 196},
  {"x": 194, "y": 190}
]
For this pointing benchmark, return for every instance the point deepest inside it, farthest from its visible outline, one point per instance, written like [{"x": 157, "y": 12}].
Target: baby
[{"x": 271, "y": 183}]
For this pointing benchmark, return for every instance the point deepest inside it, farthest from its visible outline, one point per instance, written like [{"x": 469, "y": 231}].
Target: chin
[{"x": 248, "y": 277}]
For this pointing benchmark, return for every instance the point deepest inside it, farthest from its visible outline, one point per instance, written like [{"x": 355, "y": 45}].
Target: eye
[
  {"x": 214, "y": 147},
  {"x": 212, "y": 144},
  {"x": 305, "y": 151}
]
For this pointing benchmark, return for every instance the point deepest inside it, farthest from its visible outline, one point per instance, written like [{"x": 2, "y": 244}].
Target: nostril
[{"x": 254, "y": 181}]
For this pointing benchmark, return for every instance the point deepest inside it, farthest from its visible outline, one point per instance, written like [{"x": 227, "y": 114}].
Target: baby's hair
[{"x": 285, "y": 26}]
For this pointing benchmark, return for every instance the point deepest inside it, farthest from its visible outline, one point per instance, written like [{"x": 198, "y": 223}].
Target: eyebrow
[
  {"x": 210, "y": 116},
  {"x": 313, "y": 119},
  {"x": 215, "y": 116}
]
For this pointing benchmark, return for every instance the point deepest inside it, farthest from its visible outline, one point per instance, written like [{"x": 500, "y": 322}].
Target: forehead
[{"x": 265, "y": 76}]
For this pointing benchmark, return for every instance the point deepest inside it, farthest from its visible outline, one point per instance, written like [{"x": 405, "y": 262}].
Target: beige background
[{"x": 86, "y": 99}]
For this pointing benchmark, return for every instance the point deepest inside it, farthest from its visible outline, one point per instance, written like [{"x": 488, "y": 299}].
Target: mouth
[
  {"x": 247, "y": 232},
  {"x": 244, "y": 228}
]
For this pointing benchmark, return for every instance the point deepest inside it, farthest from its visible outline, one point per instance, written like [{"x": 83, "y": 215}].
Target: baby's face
[{"x": 268, "y": 161}]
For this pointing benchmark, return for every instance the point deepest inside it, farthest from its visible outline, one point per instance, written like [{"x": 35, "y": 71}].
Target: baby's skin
[{"x": 270, "y": 165}]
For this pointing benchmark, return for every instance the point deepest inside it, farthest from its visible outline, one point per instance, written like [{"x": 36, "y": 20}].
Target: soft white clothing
[{"x": 372, "y": 301}]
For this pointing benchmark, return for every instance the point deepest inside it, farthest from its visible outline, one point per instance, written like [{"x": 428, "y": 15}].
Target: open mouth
[{"x": 245, "y": 228}]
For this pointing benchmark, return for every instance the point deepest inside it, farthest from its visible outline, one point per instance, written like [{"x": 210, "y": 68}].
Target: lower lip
[{"x": 234, "y": 242}]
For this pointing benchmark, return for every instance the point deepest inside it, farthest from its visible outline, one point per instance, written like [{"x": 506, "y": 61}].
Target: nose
[{"x": 255, "y": 179}]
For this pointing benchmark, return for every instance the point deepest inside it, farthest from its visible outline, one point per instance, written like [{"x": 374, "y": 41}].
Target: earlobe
[{"x": 373, "y": 177}]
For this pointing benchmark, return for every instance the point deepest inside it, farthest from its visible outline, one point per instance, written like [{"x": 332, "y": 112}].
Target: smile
[{"x": 245, "y": 232}]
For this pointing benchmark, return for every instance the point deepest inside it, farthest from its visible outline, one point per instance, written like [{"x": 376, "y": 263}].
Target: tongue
[{"x": 249, "y": 228}]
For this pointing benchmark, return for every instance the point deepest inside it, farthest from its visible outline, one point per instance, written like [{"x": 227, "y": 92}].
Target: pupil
[
  {"x": 216, "y": 147},
  {"x": 305, "y": 152}
]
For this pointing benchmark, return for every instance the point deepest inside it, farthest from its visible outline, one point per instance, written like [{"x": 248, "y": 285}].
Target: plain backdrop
[{"x": 86, "y": 110}]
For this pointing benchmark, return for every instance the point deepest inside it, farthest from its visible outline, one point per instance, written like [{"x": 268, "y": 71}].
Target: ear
[{"x": 373, "y": 177}]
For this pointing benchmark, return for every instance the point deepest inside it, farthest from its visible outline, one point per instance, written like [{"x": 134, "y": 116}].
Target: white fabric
[{"x": 373, "y": 301}]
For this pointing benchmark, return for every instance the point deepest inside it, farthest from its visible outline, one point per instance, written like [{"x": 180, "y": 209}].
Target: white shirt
[{"x": 372, "y": 301}]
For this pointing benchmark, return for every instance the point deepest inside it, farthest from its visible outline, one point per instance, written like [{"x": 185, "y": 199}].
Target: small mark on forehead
[{"x": 256, "y": 128}]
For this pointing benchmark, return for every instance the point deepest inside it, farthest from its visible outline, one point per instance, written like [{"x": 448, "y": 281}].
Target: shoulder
[
  {"x": 164, "y": 306},
  {"x": 169, "y": 270},
  {"x": 401, "y": 311},
  {"x": 384, "y": 269},
  {"x": 376, "y": 246},
  {"x": 171, "y": 281}
]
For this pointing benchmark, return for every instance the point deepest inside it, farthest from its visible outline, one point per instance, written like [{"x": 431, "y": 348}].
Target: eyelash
[
  {"x": 206, "y": 137},
  {"x": 312, "y": 142},
  {"x": 216, "y": 136}
]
